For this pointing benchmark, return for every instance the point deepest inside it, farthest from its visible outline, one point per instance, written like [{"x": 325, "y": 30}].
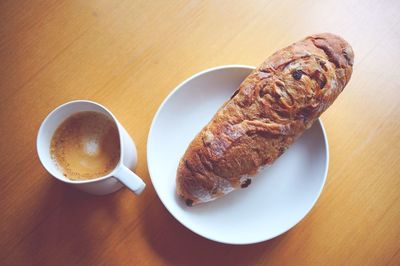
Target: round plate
[{"x": 279, "y": 196}]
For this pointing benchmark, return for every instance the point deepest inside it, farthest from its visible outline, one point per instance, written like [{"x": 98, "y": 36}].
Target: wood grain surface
[{"x": 128, "y": 55}]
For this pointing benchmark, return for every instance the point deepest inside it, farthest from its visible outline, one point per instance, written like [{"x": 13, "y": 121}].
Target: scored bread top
[{"x": 271, "y": 108}]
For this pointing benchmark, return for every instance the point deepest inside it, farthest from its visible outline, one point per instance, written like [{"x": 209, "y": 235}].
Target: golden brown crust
[{"x": 273, "y": 106}]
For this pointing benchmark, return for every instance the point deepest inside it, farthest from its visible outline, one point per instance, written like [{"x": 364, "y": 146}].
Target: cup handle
[{"x": 130, "y": 179}]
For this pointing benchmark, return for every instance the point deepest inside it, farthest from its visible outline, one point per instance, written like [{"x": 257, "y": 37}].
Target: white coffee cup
[{"x": 121, "y": 175}]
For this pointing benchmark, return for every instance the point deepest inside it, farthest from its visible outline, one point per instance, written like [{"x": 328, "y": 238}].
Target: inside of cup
[{"x": 50, "y": 125}]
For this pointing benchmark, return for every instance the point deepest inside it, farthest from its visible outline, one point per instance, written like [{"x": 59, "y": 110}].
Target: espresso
[{"x": 86, "y": 146}]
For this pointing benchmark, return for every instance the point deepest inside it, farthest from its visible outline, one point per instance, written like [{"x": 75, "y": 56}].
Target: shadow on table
[
  {"x": 69, "y": 227},
  {"x": 63, "y": 233},
  {"x": 180, "y": 246}
]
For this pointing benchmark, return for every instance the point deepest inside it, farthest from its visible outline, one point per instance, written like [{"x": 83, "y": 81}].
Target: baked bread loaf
[{"x": 272, "y": 107}]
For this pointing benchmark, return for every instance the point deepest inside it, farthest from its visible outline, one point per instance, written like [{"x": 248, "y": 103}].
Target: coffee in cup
[{"x": 86, "y": 146}]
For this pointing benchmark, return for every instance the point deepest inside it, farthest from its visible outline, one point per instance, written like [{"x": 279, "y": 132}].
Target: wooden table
[{"x": 128, "y": 55}]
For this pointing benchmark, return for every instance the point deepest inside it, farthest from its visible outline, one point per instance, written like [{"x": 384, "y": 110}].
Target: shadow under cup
[{"x": 98, "y": 186}]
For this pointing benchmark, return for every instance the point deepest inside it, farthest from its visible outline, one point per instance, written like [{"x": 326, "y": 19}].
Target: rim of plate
[{"x": 188, "y": 225}]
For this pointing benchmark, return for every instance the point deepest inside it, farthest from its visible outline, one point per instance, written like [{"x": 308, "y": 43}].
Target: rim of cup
[{"x": 59, "y": 175}]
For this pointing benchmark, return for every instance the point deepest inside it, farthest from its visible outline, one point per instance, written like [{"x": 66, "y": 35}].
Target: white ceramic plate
[{"x": 278, "y": 198}]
